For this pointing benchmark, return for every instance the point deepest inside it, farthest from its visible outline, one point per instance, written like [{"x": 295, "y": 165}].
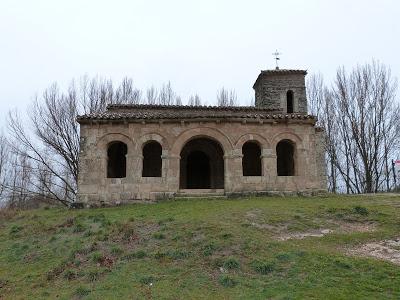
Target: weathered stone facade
[
  {"x": 201, "y": 150},
  {"x": 271, "y": 88}
]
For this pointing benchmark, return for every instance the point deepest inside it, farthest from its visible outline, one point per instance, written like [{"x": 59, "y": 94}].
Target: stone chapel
[{"x": 155, "y": 152}]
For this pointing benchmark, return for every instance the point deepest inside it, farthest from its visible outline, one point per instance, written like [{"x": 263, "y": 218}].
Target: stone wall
[
  {"x": 96, "y": 189},
  {"x": 270, "y": 91}
]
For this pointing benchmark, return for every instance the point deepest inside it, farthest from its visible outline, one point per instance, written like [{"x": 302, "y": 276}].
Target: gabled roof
[
  {"x": 142, "y": 112},
  {"x": 279, "y": 72}
]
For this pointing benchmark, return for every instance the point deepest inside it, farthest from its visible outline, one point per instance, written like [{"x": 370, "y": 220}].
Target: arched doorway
[{"x": 202, "y": 165}]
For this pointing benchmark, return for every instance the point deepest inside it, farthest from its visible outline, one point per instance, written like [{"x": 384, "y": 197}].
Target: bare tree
[
  {"x": 4, "y": 166},
  {"x": 321, "y": 105},
  {"x": 178, "y": 100},
  {"x": 222, "y": 97},
  {"x": 49, "y": 144},
  {"x": 166, "y": 95},
  {"x": 360, "y": 117},
  {"x": 93, "y": 95},
  {"x": 152, "y": 95},
  {"x": 226, "y": 98},
  {"x": 194, "y": 100},
  {"x": 127, "y": 93}
]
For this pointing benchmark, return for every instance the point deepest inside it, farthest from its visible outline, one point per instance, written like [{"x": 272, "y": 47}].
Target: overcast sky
[{"x": 199, "y": 46}]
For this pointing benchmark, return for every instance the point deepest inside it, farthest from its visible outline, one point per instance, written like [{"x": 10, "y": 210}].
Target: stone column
[
  {"x": 233, "y": 171},
  {"x": 301, "y": 165},
  {"x": 268, "y": 163},
  {"x": 172, "y": 168},
  {"x": 135, "y": 167}
]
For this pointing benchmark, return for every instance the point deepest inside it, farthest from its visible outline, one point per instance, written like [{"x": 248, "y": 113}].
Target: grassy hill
[{"x": 249, "y": 248}]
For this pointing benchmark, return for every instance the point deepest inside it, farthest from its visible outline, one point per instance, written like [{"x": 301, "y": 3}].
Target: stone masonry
[{"x": 202, "y": 149}]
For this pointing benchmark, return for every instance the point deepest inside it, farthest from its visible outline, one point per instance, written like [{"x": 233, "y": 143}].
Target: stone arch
[
  {"x": 201, "y": 132},
  {"x": 202, "y": 164},
  {"x": 287, "y": 136},
  {"x": 105, "y": 140},
  {"x": 262, "y": 141},
  {"x": 144, "y": 139}
]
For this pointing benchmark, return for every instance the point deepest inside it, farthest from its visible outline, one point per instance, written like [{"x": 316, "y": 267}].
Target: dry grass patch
[{"x": 388, "y": 250}]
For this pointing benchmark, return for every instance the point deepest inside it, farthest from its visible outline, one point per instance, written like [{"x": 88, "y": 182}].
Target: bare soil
[{"x": 386, "y": 250}]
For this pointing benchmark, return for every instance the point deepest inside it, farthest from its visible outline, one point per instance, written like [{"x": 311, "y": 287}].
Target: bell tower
[{"x": 281, "y": 90}]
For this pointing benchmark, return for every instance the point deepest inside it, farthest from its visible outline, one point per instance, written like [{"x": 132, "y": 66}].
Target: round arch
[
  {"x": 146, "y": 138},
  {"x": 103, "y": 143},
  {"x": 202, "y": 132},
  {"x": 202, "y": 164},
  {"x": 252, "y": 137},
  {"x": 294, "y": 138}
]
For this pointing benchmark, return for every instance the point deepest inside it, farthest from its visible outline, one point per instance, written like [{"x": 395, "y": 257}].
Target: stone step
[
  {"x": 200, "y": 197},
  {"x": 201, "y": 193}
]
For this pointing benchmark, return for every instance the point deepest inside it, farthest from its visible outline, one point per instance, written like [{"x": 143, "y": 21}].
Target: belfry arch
[
  {"x": 289, "y": 102},
  {"x": 202, "y": 165}
]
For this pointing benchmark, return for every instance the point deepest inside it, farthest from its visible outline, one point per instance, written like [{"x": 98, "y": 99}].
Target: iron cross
[{"x": 276, "y": 54}]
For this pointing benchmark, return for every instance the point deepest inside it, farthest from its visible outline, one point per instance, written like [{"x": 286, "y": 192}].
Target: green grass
[{"x": 199, "y": 249}]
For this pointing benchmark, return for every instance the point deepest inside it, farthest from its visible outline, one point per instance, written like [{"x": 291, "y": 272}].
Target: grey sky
[{"x": 199, "y": 46}]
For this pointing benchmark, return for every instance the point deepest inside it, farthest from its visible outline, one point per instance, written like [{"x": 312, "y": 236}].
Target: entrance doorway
[{"x": 202, "y": 165}]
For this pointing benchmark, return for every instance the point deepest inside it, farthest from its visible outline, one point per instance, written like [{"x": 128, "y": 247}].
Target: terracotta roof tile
[{"x": 139, "y": 112}]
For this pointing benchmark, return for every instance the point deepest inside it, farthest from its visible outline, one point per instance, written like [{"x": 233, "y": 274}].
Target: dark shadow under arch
[
  {"x": 285, "y": 158},
  {"x": 152, "y": 161},
  {"x": 116, "y": 160},
  {"x": 251, "y": 161},
  {"x": 202, "y": 165}
]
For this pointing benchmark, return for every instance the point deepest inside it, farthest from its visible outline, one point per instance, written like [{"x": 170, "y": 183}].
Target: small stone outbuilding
[{"x": 152, "y": 152}]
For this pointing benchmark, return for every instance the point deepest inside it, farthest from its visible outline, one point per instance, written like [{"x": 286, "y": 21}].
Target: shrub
[
  {"x": 88, "y": 233},
  {"x": 82, "y": 291},
  {"x": 283, "y": 257},
  {"x": 15, "y": 229},
  {"x": 227, "y": 281},
  {"x": 159, "y": 255},
  {"x": 208, "y": 249},
  {"x": 158, "y": 236},
  {"x": 79, "y": 228},
  {"x": 231, "y": 264},
  {"x": 69, "y": 275},
  {"x": 97, "y": 257},
  {"x": 166, "y": 220},
  {"x": 147, "y": 279},
  {"x": 263, "y": 268},
  {"x": 98, "y": 218},
  {"x": 360, "y": 210},
  {"x": 102, "y": 237},
  {"x": 137, "y": 254},
  {"x": 177, "y": 254},
  {"x": 342, "y": 264},
  {"x": 116, "y": 250},
  {"x": 77, "y": 262},
  {"x": 93, "y": 275},
  {"x": 226, "y": 236}
]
